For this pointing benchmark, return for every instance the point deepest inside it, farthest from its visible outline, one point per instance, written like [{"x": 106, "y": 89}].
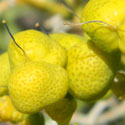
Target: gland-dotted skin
[
  {"x": 7, "y": 111},
  {"x": 66, "y": 40},
  {"x": 90, "y": 71},
  {"x": 105, "y": 36},
  {"x": 37, "y": 46},
  {"x": 62, "y": 110},
  {"x": 34, "y": 85},
  {"x": 4, "y": 73}
]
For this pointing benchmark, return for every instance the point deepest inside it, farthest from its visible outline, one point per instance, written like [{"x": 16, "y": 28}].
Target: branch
[
  {"x": 113, "y": 114},
  {"x": 94, "y": 114}
]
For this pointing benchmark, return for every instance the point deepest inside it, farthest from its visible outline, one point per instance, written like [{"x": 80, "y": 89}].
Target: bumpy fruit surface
[
  {"x": 8, "y": 112},
  {"x": 4, "y": 73},
  {"x": 37, "y": 46},
  {"x": 34, "y": 85},
  {"x": 118, "y": 86},
  {"x": 111, "y": 35},
  {"x": 66, "y": 40},
  {"x": 91, "y": 71},
  {"x": 62, "y": 110}
]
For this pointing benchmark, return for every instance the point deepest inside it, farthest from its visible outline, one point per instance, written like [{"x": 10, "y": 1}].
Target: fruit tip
[
  {"x": 4, "y": 21},
  {"x": 37, "y": 24}
]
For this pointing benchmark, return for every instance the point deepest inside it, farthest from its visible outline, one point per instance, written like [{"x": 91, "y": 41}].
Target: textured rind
[
  {"x": 34, "y": 85},
  {"x": 90, "y": 71},
  {"x": 4, "y": 73},
  {"x": 37, "y": 46},
  {"x": 111, "y": 12},
  {"x": 62, "y": 110},
  {"x": 67, "y": 40}
]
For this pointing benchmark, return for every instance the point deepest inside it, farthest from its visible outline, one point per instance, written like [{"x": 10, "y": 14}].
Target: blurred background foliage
[
  {"x": 23, "y": 14},
  {"x": 51, "y": 14}
]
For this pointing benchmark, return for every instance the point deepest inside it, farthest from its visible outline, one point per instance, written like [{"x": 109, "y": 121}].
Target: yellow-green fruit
[
  {"x": 37, "y": 46},
  {"x": 8, "y": 112},
  {"x": 34, "y": 85},
  {"x": 109, "y": 35},
  {"x": 62, "y": 110},
  {"x": 66, "y": 40},
  {"x": 90, "y": 70},
  {"x": 118, "y": 86},
  {"x": 4, "y": 73}
]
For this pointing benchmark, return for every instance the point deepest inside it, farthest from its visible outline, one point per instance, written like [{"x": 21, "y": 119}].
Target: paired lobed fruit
[
  {"x": 91, "y": 71},
  {"x": 34, "y": 83}
]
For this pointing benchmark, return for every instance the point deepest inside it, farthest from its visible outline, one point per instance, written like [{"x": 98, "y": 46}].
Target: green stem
[{"x": 36, "y": 119}]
